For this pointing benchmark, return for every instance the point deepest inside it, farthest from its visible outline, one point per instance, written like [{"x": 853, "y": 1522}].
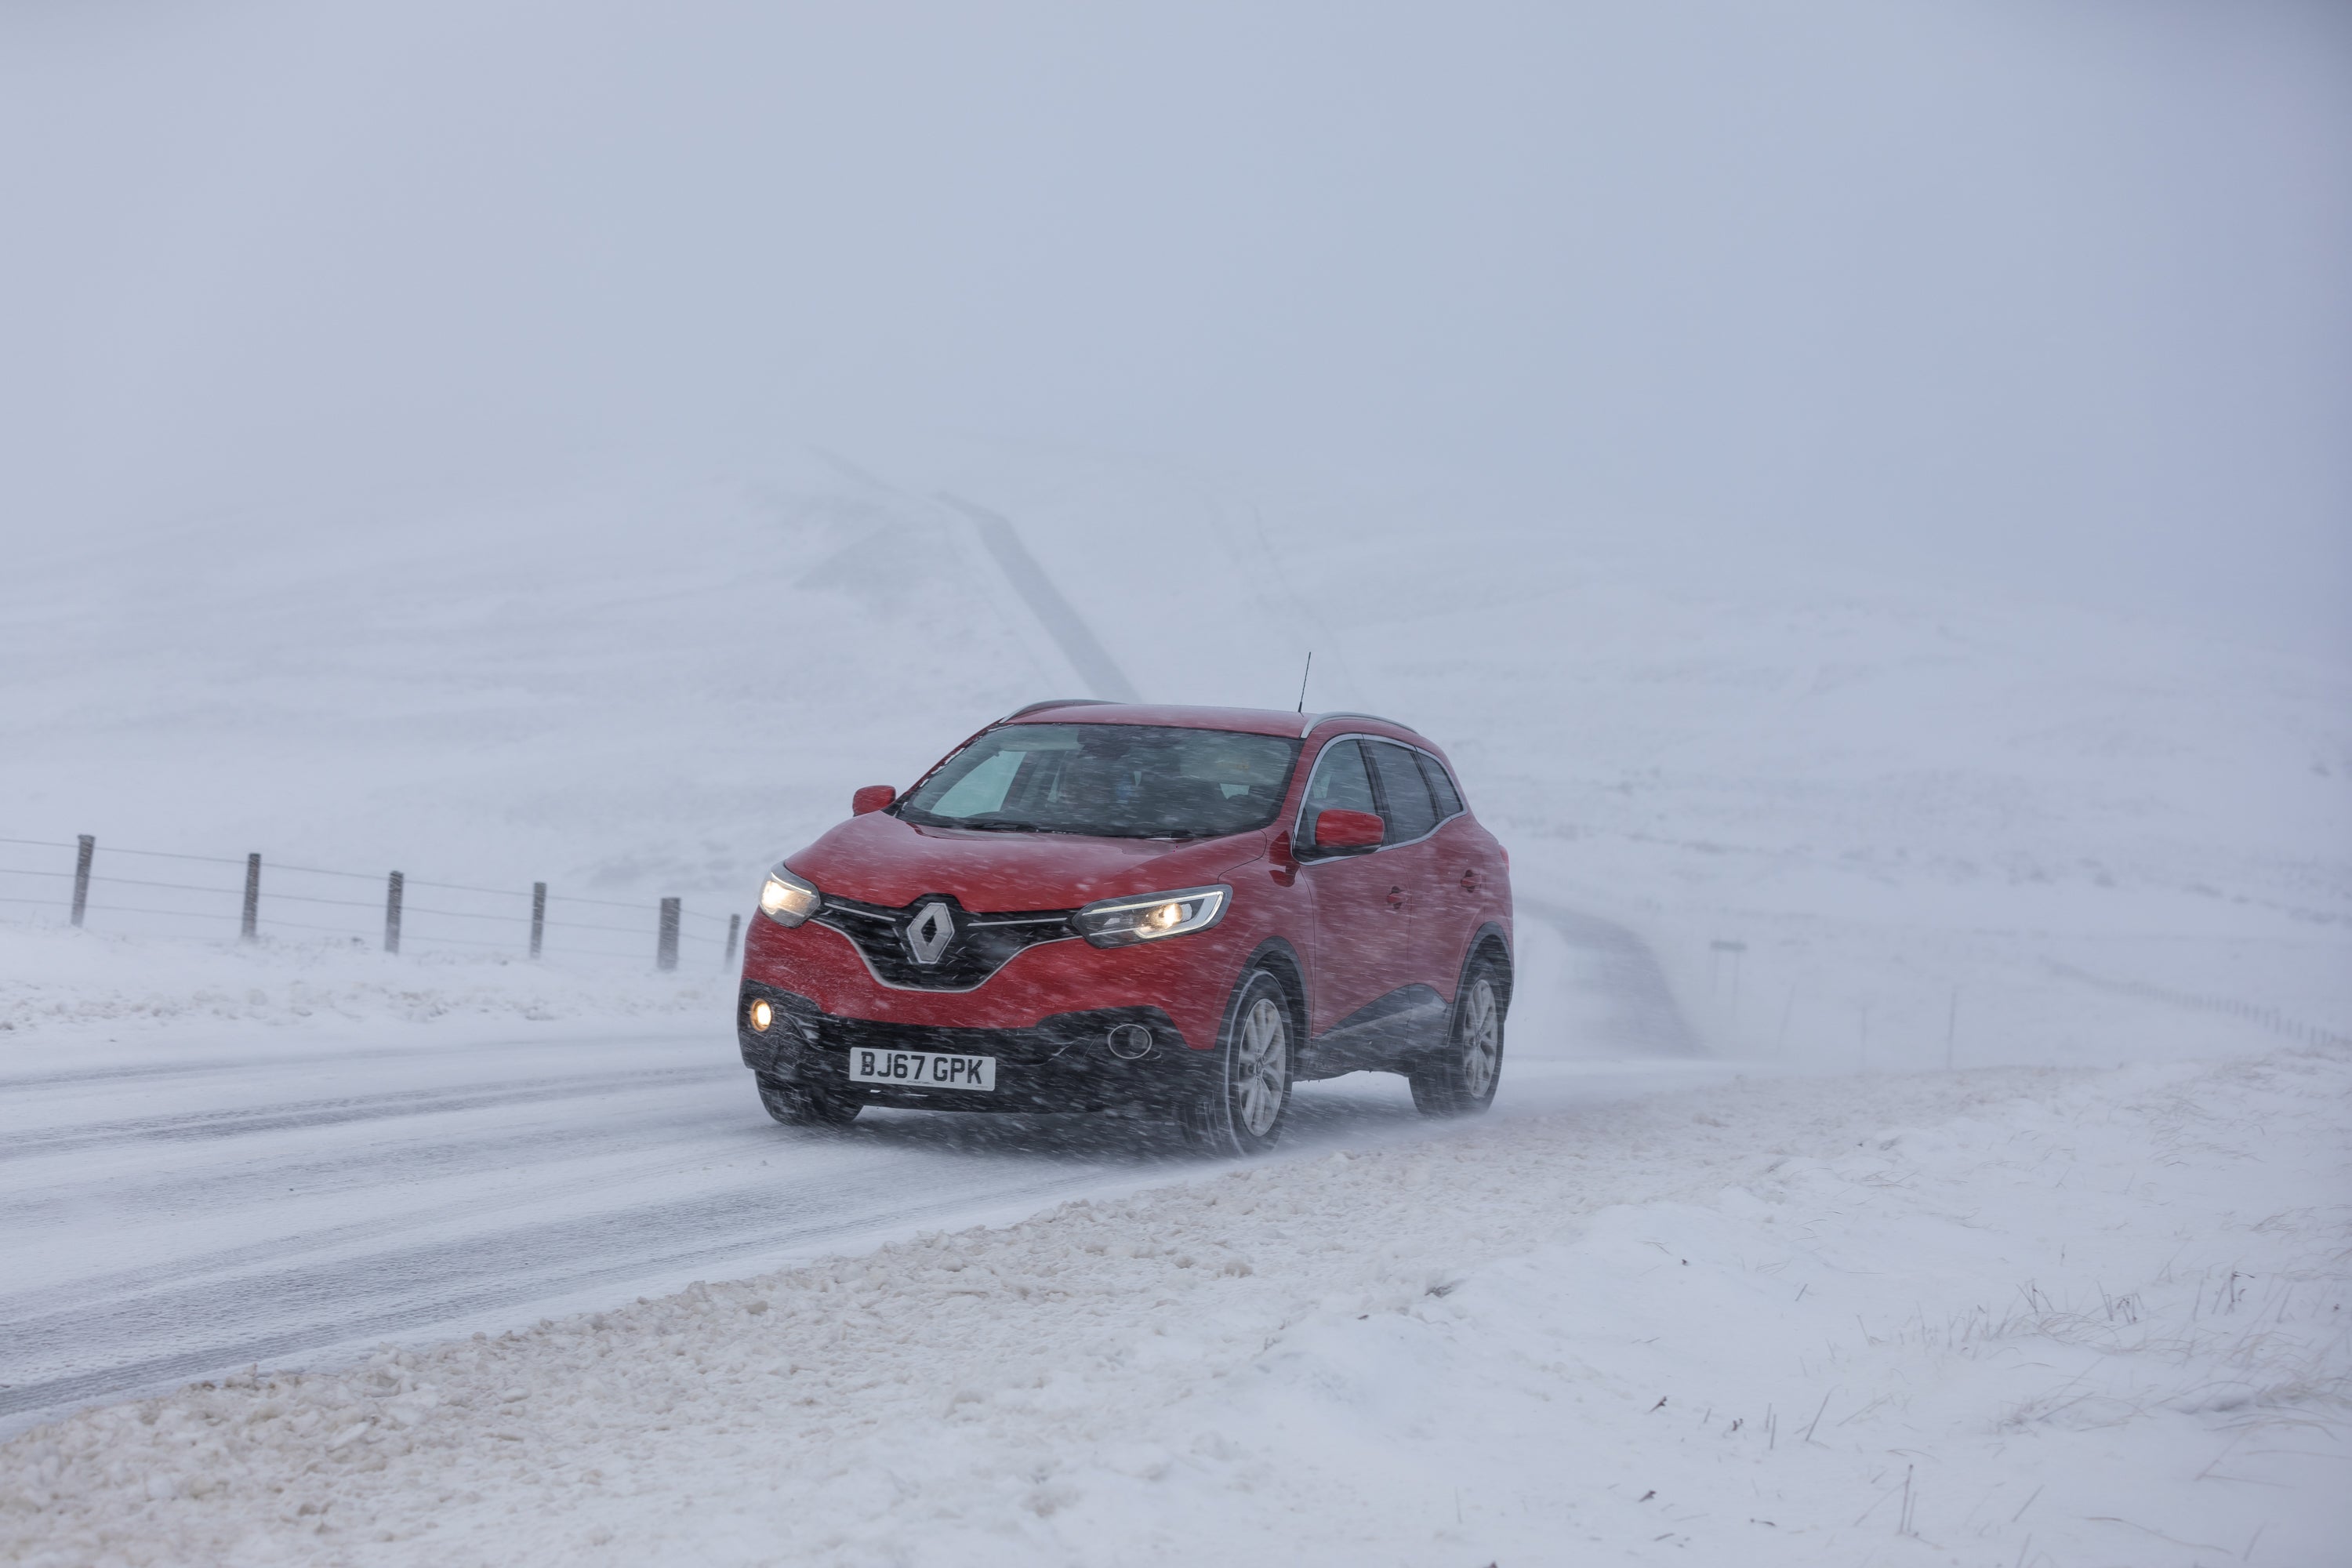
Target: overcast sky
[{"x": 2042, "y": 293}]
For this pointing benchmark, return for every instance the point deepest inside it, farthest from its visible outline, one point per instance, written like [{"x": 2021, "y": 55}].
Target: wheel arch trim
[
  {"x": 1279, "y": 958},
  {"x": 1491, "y": 939}
]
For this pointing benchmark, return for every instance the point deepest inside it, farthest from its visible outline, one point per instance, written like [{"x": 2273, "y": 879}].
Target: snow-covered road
[
  {"x": 2012, "y": 1316},
  {"x": 176, "y": 1207}
]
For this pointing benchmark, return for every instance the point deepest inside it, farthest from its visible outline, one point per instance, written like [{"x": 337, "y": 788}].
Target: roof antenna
[{"x": 1302, "y": 679}]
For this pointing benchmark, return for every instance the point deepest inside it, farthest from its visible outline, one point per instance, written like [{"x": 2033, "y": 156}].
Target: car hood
[{"x": 878, "y": 859}]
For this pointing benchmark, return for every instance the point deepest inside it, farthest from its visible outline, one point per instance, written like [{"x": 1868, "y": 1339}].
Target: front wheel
[
  {"x": 797, "y": 1105},
  {"x": 1243, "y": 1113},
  {"x": 1459, "y": 1079}
]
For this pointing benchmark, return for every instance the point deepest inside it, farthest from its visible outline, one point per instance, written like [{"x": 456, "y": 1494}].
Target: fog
[
  {"x": 2050, "y": 297},
  {"x": 1858, "y": 491}
]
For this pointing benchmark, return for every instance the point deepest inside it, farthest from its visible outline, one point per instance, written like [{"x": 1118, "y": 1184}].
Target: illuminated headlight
[
  {"x": 763, "y": 1013},
  {"x": 788, "y": 900},
  {"x": 1121, "y": 922}
]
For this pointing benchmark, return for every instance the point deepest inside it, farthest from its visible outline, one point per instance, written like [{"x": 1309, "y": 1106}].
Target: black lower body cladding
[{"x": 1064, "y": 1063}]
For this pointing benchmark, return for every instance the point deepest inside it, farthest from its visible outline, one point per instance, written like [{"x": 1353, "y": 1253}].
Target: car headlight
[
  {"x": 788, "y": 900},
  {"x": 1122, "y": 923}
]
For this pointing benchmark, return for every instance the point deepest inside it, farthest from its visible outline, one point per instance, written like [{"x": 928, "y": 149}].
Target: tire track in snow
[
  {"x": 260, "y": 1303},
  {"x": 432, "y": 1285},
  {"x": 249, "y": 1121},
  {"x": 168, "y": 1190},
  {"x": 652, "y": 1146},
  {"x": 138, "y": 1072}
]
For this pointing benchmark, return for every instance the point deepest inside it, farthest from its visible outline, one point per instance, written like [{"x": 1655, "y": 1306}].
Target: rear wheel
[
  {"x": 1243, "y": 1113},
  {"x": 799, "y": 1105},
  {"x": 1459, "y": 1079}
]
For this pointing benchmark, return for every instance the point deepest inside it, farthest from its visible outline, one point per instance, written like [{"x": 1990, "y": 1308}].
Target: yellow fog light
[
  {"x": 1165, "y": 916},
  {"x": 762, "y": 1014}
]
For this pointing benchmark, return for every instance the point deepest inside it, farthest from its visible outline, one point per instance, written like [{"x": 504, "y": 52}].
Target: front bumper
[
  {"x": 1189, "y": 979},
  {"x": 1064, "y": 1062}
]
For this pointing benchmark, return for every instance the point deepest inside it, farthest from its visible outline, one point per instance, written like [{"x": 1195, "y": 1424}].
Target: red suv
[{"x": 1165, "y": 911}]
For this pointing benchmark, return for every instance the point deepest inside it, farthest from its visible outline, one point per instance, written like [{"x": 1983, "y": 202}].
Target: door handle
[
  {"x": 1469, "y": 881},
  {"x": 1396, "y": 899}
]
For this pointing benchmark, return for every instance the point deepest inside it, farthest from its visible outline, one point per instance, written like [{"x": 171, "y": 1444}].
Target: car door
[
  {"x": 1412, "y": 859},
  {"x": 1460, "y": 860},
  {"x": 1363, "y": 934}
]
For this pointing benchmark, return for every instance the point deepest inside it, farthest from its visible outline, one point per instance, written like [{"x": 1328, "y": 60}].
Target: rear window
[
  {"x": 1441, "y": 787},
  {"x": 1410, "y": 812}
]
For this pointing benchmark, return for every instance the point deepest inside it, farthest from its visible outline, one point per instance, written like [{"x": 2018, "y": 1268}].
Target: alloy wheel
[
  {"x": 1262, "y": 1067},
  {"x": 1481, "y": 1041}
]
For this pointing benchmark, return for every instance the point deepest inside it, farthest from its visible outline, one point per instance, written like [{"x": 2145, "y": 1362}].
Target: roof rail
[
  {"x": 1325, "y": 718},
  {"x": 1058, "y": 703}
]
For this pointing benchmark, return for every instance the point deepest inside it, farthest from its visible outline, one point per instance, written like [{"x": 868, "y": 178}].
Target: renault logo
[{"x": 931, "y": 931}]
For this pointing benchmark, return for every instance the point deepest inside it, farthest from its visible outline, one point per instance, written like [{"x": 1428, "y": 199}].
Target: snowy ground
[
  {"x": 2002, "y": 1317},
  {"x": 1787, "y": 847},
  {"x": 291, "y": 1169}
]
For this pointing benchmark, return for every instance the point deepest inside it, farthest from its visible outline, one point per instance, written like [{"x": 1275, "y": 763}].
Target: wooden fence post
[
  {"x": 734, "y": 930},
  {"x": 392, "y": 914},
  {"x": 538, "y": 915},
  {"x": 666, "y": 945},
  {"x": 88, "y": 848},
  {"x": 252, "y": 897}
]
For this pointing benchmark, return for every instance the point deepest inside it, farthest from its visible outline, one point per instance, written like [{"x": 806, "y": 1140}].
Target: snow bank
[
  {"x": 59, "y": 980},
  {"x": 2009, "y": 1316}
]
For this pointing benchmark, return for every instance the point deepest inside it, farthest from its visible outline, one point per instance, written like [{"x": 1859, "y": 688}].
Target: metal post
[
  {"x": 81, "y": 875},
  {"x": 666, "y": 945},
  {"x": 392, "y": 914},
  {"x": 734, "y": 930},
  {"x": 252, "y": 895},
  {"x": 537, "y": 916},
  {"x": 1715, "y": 974}
]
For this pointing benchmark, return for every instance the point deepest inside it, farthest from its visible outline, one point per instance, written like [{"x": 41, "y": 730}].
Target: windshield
[{"x": 1107, "y": 780}]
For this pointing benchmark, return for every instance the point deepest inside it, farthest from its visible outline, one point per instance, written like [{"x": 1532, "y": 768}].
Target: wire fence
[{"x": 169, "y": 893}]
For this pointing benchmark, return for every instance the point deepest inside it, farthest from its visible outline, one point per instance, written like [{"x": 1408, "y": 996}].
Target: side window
[
  {"x": 1410, "y": 812},
  {"x": 1441, "y": 786},
  {"x": 1340, "y": 783}
]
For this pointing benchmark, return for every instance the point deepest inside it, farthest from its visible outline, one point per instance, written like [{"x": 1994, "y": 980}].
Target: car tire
[
  {"x": 796, "y": 1105},
  {"x": 1256, "y": 1065},
  {"x": 1459, "y": 1079}
]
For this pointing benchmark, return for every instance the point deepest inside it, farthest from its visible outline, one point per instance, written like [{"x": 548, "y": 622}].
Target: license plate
[{"x": 921, "y": 1069}]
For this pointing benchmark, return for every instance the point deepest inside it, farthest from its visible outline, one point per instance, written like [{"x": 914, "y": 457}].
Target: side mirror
[
  {"x": 1342, "y": 829},
  {"x": 873, "y": 797}
]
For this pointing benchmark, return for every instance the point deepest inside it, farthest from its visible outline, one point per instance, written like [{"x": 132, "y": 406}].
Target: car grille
[{"x": 979, "y": 945}]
